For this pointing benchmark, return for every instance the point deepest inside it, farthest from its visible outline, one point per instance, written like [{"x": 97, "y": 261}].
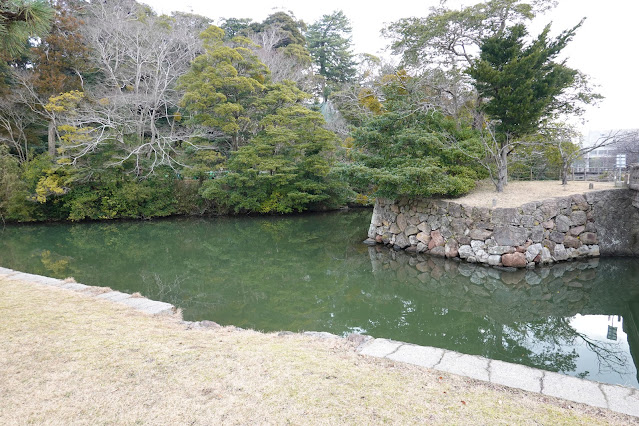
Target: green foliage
[
  {"x": 291, "y": 27},
  {"x": 234, "y": 27},
  {"x": 285, "y": 167},
  {"x": 115, "y": 196},
  {"x": 329, "y": 44},
  {"x": 410, "y": 178},
  {"x": 19, "y": 20},
  {"x": 13, "y": 190},
  {"x": 222, "y": 85},
  {"x": 522, "y": 83},
  {"x": 42, "y": 190},
  {"x": 405, "y": 151}
]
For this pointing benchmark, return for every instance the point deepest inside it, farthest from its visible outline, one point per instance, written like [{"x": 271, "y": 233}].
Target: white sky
[{"x": 605, "y": 47}]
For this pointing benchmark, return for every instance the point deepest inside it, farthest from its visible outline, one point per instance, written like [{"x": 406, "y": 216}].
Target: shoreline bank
[{"x": 616, "y": 398}]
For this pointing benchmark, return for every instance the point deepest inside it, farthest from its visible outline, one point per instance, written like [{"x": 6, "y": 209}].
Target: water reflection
[
  {"x": 573, "y": 317},
  {"x": 312, "y": 273}
]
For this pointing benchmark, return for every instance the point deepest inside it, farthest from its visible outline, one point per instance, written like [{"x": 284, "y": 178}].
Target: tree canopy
[
  {"x": 109, "y": 109},
  {"x": 20, "y": 20},
  {"x": 521, "y": 83},
  {"x": 329, "y": 44}
]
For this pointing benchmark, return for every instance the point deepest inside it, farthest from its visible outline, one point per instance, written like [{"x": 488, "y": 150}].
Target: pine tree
[{"x": 329, "y": 44}]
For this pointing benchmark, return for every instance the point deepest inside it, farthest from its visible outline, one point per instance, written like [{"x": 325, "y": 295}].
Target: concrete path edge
[
  {"x": 138, "y": 303},
  {"x": 617, "y": 398}
]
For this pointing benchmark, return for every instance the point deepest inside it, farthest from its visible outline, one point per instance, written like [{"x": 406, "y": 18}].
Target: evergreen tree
[
  {"x": 289, "y": 25},
  {"x": 522, "y": 84},
  {"x": 19, "y": 20},
  {"x": 329, "y": 44},
  {"x": 284, "y": 168},
  {"x": 222, "y": 86},
  {"x": 405, "y": 150}
]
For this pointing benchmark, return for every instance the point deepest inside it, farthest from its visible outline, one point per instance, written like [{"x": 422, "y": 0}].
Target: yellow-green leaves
[
  {"x": 222, "y": 85},
  {"x": 65, "y": 102}
]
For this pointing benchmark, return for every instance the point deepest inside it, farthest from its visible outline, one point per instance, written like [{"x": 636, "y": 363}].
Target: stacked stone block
[{"x": 540, "y": 232}]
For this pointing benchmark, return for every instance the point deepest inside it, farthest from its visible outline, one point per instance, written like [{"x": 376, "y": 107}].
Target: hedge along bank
[{"x": 540, "y": 232}]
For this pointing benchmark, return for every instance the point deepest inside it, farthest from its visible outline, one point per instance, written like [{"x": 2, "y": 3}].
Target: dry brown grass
[
  {"x": 518, "y": 193},
  {"x": 66, "y": 358}
]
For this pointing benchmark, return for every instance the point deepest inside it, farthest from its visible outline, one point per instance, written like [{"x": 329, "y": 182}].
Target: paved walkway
[{"x": 616, "y": 398}]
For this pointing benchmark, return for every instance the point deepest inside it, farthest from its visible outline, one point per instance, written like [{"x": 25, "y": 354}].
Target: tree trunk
[
  {"x": 564, "y": 173},
  {"x": 501, "y": 178},
  {"x": 51, "y": 139},
  {"x": 235, "y": 142},
  {"x": 502, "y": 170}
]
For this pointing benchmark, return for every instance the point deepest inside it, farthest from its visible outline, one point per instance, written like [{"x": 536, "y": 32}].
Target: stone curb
[
  {"x": 141, "y": 304},
  {"x": 617, "y": 398}
]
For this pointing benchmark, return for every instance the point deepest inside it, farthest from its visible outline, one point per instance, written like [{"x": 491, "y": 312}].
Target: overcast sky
[{"x": 605, "y": 47}]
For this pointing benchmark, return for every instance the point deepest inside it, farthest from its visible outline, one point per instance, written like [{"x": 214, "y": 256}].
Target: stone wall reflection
[{"x": 508, "y": 294}]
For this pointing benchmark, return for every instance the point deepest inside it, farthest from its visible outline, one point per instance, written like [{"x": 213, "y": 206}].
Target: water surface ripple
[{"x": 312, "y": 272}]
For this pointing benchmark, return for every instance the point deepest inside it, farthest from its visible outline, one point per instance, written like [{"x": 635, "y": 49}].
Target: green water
[{"x": 312, "y": 272}]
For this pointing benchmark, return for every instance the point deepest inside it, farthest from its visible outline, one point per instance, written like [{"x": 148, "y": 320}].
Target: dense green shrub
[{"x": 285, "y": 168}]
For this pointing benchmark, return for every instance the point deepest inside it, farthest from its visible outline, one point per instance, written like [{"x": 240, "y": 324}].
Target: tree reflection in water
[
  {"x": 523, "y": 316},
  {"x": 312, "y": 272}
]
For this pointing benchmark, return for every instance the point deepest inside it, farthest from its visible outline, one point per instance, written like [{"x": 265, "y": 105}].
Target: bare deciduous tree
[
  {"x": 291, "y": 62},
  {"x": 566, "y": 140},
  {"x": 135, "y": 107},
  {"x": 15, "y": 119}
]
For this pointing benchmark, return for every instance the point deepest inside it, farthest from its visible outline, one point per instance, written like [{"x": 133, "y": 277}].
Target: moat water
[{"x": 312, "y": 272}]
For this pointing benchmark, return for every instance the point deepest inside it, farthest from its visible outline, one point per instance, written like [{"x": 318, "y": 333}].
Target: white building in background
[{"x": 611, "y": 157}]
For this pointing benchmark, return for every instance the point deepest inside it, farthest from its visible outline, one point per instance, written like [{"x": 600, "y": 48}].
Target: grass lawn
[
  {"x": 517, "y": 193},
  {"x": 66, "y": 358}
]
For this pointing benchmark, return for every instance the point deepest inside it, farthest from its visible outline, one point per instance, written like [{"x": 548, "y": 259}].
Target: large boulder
[
  {"x": 424, "y": 237},
  {"x": 411, "y": 230},
  {"x": 402, "y": 223},
  {"x": 480, "y": 234},
  {"x": 537, "y": 234},
  {"x": 578, "y": 217},
  {"x": 505, "y": 216},
  {"x": 402, "y": 241},
  {"x": 588, "y": 238},
  {"x": 510, "y": 235},
  {"x": 563, "y": 223},
  {"x": 557, "y": 237},
  {"x": 424, "y": 227},
  {"x": 451, "y": 249},
  {"x": 436, "y": 240},
  {"x": 549, "y": 209},
  {"x": 577, "y": 230},
  {"x": 465, "y": 251},
  {"x": 560, "y": 252},
  {"x": 501, "y": 249},
  {"x": 571, "y": 241},
  {"x": 533, "y": 251},
  {"x": 514, "y": 260}
]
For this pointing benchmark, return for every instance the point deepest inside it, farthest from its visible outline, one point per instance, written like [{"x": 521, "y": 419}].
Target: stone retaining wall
[{"x": 541, "y": 232}]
